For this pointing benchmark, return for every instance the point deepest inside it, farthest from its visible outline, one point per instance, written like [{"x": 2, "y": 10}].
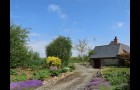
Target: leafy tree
[
  {"x": 60, "y": 47},
  {"x": 36, "y": 56},
  {"x": 30, "y": 54},
  {"x": 33, "y": 55},
  {"x": 18, "y": 49},
  {"x": 90, "y": 52},
  {"x": 20, "y": 54}
]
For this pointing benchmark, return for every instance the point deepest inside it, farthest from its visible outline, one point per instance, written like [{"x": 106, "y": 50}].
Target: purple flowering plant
[
  {"x": 96, "y": 83},
  {"x": 53, "y": 68},
  {"x": 25, "y": 84}
]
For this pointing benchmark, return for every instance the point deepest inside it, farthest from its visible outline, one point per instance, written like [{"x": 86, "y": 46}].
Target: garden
[
  {"x": 34, "y": 77},
  {"x": 110, "y": 78},
  {"x": 29, "y": 71}
]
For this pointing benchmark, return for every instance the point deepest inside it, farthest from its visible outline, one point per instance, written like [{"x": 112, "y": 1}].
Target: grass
[
  {"x": 118, "y": 77},
  {"x": 75, "y": 61},
  {"x": 15, "y": 78}
]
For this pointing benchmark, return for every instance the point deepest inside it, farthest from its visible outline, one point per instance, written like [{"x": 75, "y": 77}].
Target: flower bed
[
  {"x": 97, "y": 84},
  {"x": 25, "y": 84}
]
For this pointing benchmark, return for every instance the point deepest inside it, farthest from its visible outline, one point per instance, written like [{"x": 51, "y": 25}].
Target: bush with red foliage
[{"x": 124, "y": 59}]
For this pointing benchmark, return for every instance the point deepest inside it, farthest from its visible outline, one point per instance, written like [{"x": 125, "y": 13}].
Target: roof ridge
[
  {"x": 124, "y": 44},
  {"x": 108, "y": 45}
]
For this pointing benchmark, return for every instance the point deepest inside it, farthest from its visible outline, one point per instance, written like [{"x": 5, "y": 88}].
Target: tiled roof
[{"x": 111, "y": 50}]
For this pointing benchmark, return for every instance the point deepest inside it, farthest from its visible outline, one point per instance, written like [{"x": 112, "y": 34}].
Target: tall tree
[
  {"x": 32, "y": 55},
  {"x": 36, "y": 56},
  {"x": 60, "y": 47},
  {"x": 18, "y": 49}
]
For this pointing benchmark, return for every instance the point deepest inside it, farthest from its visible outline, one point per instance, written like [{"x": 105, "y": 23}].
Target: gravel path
[{"x": 81, "y": 76}]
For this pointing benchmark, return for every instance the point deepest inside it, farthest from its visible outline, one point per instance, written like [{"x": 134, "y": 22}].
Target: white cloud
[
  {"x": 63, "y": 16},
  {"x": 38, "y": 41},
  {"x": 34, "y": 34},
  {"x": 118, "y": 25},
  {"x": 39, "y": 36},
  {"x": 39, "y": 46},
  {"x": 15, "y": 16},
  {"x": 56, "y": 8},
  {"x": 74, "y": 53}
]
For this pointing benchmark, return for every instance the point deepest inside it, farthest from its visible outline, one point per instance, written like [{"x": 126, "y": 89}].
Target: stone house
[{"x": 107, "y": 54}]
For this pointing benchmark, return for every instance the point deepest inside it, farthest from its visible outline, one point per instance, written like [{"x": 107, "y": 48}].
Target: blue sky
[{"x": 77, "y": 19}]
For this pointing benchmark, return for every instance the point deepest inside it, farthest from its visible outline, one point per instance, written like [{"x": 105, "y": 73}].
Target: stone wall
[{"x": 107, "y": 62}]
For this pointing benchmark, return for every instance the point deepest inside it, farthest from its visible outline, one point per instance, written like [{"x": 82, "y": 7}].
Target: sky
[{"x": 98, "y": 21}]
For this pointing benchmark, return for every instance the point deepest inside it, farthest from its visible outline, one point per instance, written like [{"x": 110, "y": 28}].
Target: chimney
[{"x": 115, "y": 40}]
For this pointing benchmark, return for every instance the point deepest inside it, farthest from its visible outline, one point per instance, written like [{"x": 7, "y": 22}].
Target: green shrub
[
  {"x": 16, "y": 78},
  {"x": 72, "y": 67},
  {"x": 123, "y": 86},
  {"x": 60, "y": 47},
  {"x": 35, "y": 68},
  {"x": 13, "y": 72},
  {"x": 66, "y": 69},
  {"x": 34, "y": 64},
  {"x": 63, "y": 70},
  {"x": 44, "y": 65},
  {"x": 40, "y": 74},
  {"x": 55, "y": 72},
  {"x": 53, "y": 61},
  {"x": 65, "y": 63}
]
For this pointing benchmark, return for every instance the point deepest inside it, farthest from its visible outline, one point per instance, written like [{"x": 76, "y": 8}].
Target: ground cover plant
[
  {"x": 25, "y": 85},
  {"x": 17, "y": 77},
  {"x": 13, "y": 72},
  {"x": 119, "y": 78},
  {"x": 97, "y": 83},
  {"x": 40, "y": 74}
]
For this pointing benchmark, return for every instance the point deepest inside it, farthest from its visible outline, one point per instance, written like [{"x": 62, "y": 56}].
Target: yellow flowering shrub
[{"x": 53, "y": 61}]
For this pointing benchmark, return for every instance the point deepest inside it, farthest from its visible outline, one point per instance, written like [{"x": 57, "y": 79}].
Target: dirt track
[{"x": 81, "y": 76}]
